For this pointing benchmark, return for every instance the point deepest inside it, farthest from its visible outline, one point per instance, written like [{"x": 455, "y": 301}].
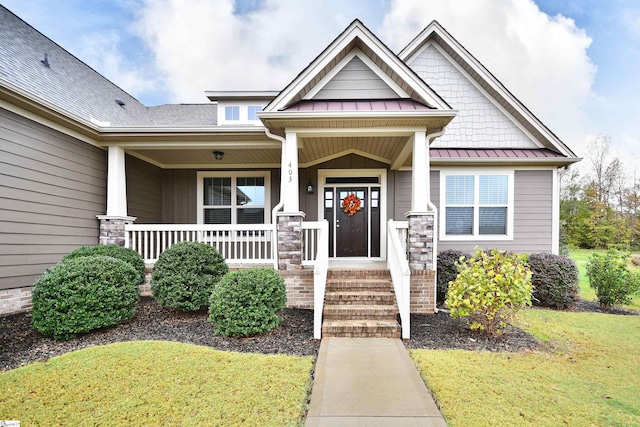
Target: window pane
[
  {"x": 217, "y": 191},
  {"x": 251, "y": 216},
  {"x": 494, "y": 190},
  {"x": 250, "y": 191},
  {"x": 253, "y": 109},
  {"x": 459, "y": 189},
  {"x": 217, "y": 216},
  {"x": 232, "y": 113},
  {"x": 493, "y": 221},
  {"x": 459, "y": 220}
]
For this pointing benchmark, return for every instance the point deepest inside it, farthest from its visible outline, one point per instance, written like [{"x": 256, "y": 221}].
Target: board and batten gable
[
  {"x": 52, "y": 186},
  {"x": 480, "y": 123}
]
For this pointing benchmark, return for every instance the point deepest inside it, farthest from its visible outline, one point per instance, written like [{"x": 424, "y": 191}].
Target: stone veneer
[
  {"x": 112, "y": 229},
  {"x": 420, "y": 252},
  {"x": 290, "y": 241}
]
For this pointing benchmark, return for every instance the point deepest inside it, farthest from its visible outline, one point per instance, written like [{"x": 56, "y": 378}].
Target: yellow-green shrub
[{"x": 490, "y": 289}]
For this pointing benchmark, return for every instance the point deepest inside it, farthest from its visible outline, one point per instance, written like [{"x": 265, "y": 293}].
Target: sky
[{"x": 574, "y": 63}]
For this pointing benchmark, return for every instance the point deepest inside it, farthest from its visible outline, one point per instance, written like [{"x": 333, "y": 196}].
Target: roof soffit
[
  {"x": 357, "y": 40},
  {"x": 435, "y": 33}
]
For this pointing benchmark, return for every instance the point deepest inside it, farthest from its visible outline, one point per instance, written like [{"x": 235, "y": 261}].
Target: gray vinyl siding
[
  {"x": 52, "y": 186},
  {"x": 401, "y": 194},
  {"x": 533, "y": 194},
  {"x": 144, "y": 191},
  {"x": 356, "y": 81}
]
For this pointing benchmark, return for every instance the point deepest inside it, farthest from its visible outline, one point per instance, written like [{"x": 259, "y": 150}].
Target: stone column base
[
  {"x": 420, "y": 240},
  {"x": 290, "y": 240},
  {"x": 112, "y": 229},
  {"x": 422, "y": 298}
]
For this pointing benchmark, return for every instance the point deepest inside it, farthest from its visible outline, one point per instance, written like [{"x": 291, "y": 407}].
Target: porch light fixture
[
  {"x": 218, "y": 155},
  {"x": 309, "y": 188}
]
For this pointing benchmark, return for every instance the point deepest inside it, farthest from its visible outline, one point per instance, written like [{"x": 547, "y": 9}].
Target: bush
[
  {"x": 245, "y": 302},
  {"x": 116, "y": 251},
  {"x": 612, "y": 279},
  {"x": 489, "y": 290},
  {"x": 447, "y": 271},
  {"x": 555, "y": 280},
  {"x": 185, "y": 274},
  {"x": 82, "y": 294}
]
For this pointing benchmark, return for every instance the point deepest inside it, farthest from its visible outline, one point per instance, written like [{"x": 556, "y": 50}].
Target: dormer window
[
  {"x": 252, "y": 112},
  {"x": 232, "y": 113}
]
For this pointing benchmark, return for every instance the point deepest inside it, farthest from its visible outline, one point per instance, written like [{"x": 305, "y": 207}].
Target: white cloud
[{"x": 542, "y": 60}]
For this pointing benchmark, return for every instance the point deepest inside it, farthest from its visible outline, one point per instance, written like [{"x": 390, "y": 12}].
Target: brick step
[
  {"x": 360, "y": 297},
  {"x": 342, "y": 284},
  {"x": 360, "y": 312},
  {"x": 361, "y": 328},
  {"x": 345, "y": 273}
]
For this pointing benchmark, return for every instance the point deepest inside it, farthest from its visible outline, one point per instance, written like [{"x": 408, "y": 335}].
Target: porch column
[
  {"x": 420, "y": 236},
  {"x": 290, "y": 219},
  {"x": 112, "y": 224}
]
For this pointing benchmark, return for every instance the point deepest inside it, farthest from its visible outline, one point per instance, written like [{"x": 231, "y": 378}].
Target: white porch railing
[
  {"x": 402, "y": 227},
  {"x": 320, "y": 277},
  {"x": 400, "y": 273},
  {"x": 238, "y": 244},
  {"x": 310, "y": 242}
]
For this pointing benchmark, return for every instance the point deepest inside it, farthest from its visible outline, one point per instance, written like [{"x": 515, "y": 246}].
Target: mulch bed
[{"x": 20, "y": 344}]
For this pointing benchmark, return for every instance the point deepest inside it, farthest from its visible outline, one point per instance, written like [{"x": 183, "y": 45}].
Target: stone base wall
[
  {"x": 299, "y": 285},
  {"x": 420, "y": 241},
  {"x": 289, "y": 242},
  {"x": 422, "y": 292},
  {"x": 15, "y": 300},
  {"x": 145, "y": 289},
  {"x": 112, "y": 229}
]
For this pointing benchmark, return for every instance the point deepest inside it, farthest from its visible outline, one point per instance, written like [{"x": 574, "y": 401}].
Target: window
[
  {"x": 477, "y": 205},
  {"x": 232, "y": 113},
  {"x": 233, "y": 197},
  {"x": 253, "y": 109}
]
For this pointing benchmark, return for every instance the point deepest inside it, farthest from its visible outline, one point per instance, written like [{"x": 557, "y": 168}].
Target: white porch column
[
  {"x": 116, "y": 183},
  {"x": 112, "y": 225},
  {"x": 289, "y": 177},
  {"x": 420, "y": 185}
]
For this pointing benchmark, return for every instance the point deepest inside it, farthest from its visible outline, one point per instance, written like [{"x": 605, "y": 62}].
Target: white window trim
[
  {"x": 476, "y": 172},
  {"x": 233, "y": 175}
]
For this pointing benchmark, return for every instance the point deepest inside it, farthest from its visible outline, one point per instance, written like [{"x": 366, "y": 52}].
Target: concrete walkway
[{"x": 370, "y": 382}]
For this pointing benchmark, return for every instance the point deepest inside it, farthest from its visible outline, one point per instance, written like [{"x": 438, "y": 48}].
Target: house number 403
[{"x": 290, "y": 173}]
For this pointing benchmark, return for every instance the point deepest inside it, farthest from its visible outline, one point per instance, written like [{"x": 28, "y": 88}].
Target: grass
[
  {"x": 157, "y": 383},
  {"x": 589, "y": 376},
  {"x": 581, "y": 257}
]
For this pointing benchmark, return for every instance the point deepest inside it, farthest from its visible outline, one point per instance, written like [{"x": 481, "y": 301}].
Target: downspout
[
  {"x": 276, "y": 208},
  {"x": 430, "y": 138}
]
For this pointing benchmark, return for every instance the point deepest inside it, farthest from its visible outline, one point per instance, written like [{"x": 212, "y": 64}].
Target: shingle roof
[{"x": 76, "y": 88}]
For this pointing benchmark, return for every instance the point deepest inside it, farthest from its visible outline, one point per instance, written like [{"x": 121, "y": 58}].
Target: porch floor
[{"x": 362, "y": 264}]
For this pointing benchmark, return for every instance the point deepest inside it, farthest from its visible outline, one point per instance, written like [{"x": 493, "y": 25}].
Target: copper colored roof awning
[
  {"x": 505, "y": 153},
  {"x": 359, "y": 105}
]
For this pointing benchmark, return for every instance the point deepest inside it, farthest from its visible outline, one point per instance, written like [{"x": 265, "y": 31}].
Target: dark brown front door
[{"x": 356, "y": 235}]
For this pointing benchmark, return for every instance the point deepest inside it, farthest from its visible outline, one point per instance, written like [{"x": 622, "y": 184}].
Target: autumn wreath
[{"x": 351, "y": 204}]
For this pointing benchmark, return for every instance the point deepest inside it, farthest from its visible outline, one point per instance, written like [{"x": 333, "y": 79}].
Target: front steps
[{"x": 360, "y": 304}]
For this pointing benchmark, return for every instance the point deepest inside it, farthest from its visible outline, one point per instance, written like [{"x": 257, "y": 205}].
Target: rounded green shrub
[
  {"x": 555, "y": 280},
  {"x": 246, "y": 302},
  {"x": 116, "y": 251},
  {"x": 82, "y": 294},
  {"x": 612, "y": 279},
  {"x": 447, "y": 271},
  {"x": 185, "y": 274},
  {"x": 490, "y": 289}
]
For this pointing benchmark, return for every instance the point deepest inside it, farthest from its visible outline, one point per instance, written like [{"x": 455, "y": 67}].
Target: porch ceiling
[{"x": 312, "y": 150}]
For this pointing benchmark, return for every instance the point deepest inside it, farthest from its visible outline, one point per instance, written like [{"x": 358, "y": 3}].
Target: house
[{"x": 365, "y": 156}]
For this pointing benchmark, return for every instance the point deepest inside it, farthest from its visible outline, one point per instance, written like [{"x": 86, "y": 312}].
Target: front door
[{"x": 354, "y": 224}]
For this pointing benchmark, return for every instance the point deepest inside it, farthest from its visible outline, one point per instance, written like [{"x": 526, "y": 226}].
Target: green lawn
[
  {"x": 589, "y": 375},
  {"x": 149, "y": 383},
  {"x": 581, "y": 257}
]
